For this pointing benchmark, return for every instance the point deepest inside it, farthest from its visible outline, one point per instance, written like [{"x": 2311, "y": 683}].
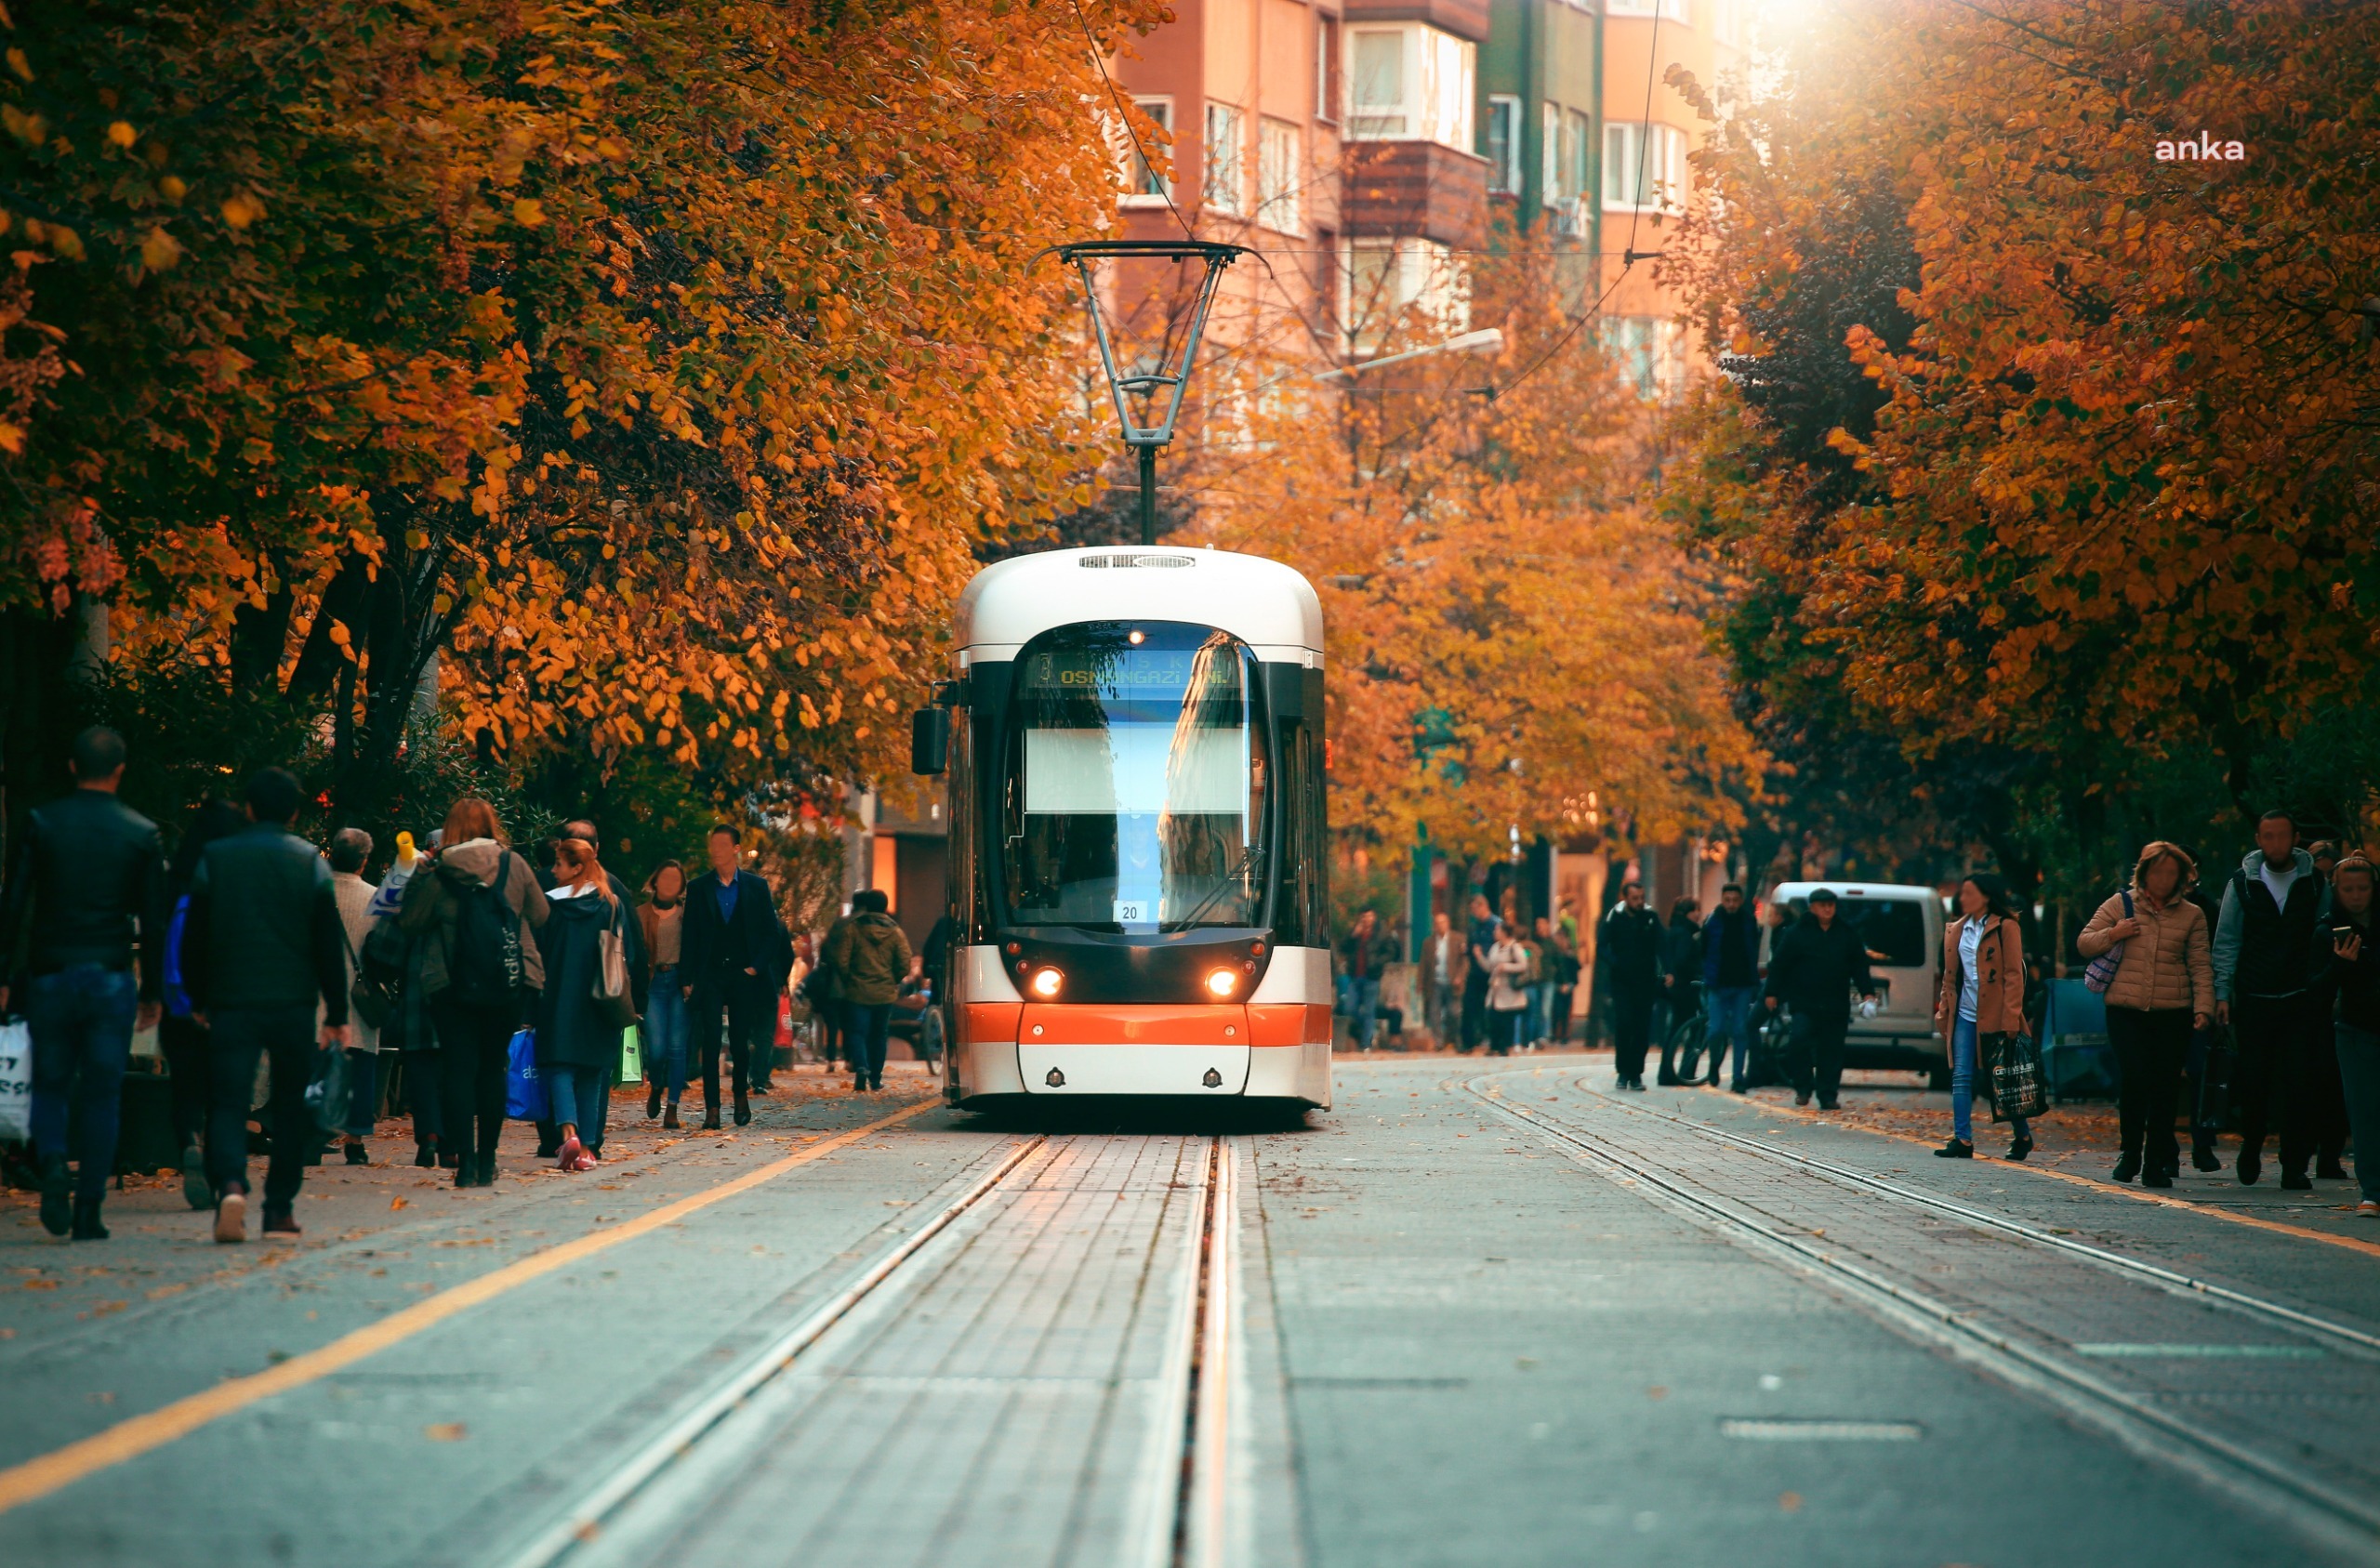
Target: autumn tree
[
  {"x": 2104, "y": 518},
  {"x": 645, "y": 369}
]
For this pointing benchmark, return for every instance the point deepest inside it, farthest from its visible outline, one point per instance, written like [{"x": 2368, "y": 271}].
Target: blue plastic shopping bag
[{"x": 524, "y": 1091}]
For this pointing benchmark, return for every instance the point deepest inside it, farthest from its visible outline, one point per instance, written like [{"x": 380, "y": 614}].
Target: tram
[{"x": 1132, "y": 752}]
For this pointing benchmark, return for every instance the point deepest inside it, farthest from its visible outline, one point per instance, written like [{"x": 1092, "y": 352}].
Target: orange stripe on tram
[{"x": 1057, "y": 1023}]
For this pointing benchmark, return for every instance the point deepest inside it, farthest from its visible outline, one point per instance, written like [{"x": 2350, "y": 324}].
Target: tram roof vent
[{"x": 1143, "y": 559}]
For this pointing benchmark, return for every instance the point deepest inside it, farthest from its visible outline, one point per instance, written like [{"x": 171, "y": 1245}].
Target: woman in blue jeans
[
  {"x": 669, "y": 1016},
  {"x": 1983, "y": 993}
]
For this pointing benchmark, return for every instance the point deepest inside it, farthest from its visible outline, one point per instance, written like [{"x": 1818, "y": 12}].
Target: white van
[{"x": 1901, "y": 926}]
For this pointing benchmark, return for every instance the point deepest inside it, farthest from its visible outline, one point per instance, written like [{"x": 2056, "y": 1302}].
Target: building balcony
[
  {"x": 1415, "y": 188},
  {"x": 1464, "y": 19}
]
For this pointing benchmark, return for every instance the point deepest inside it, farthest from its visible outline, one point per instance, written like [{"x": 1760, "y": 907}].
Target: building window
[
  {"x": 1329, "y": 66},
  {"x": 1412, "y": 81},
  {"x": 1670, "y": 10},
  {"x": 1280, "y": 175},
  {"x": 1503, "y": 145},
  {"x": 1411, "y": 283},
  {"x": 1549, "y": 156},
  {"x": 1144, "y": 187},
  {"x": 1226, "y": 182},
  {"x": 1640, "y": 170},
  {"x": 1650, "y": 352}
]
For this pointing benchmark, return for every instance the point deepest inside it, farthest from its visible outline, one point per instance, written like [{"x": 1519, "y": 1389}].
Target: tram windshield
[{"x": 1137, "y": 777}]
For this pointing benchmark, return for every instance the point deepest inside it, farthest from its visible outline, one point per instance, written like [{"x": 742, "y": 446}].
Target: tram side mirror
[{"x": 929, "y": 741}]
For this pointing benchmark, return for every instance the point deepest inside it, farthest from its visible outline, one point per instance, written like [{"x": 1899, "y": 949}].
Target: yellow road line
[
  {"x": 2353, "y": 1244},
  {"x": 130, "y": 1439}
]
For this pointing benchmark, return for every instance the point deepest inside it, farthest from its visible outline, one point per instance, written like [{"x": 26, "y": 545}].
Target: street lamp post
[{"x": 1163, "y": 385}]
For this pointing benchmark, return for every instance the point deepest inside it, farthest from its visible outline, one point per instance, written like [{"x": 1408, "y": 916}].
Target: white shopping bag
[{"x": 16, "y": 1081}]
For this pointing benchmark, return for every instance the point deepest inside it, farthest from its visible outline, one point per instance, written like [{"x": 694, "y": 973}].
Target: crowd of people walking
[{"x": 473, "y": 966}]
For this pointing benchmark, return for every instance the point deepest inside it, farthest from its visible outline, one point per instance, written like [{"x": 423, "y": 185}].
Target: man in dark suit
[{"x": 727, "y": 961}]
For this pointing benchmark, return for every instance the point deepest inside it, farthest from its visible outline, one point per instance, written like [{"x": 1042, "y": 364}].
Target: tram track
[
  {"x": 1182, "y": 1507},
  {"x": 2332, "y": 1514}
]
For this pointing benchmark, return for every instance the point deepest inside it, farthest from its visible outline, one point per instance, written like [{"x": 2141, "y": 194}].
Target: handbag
[
  {"x": 631, "y": 1057},
  {"x": 2102, "y": 972},
  {"x": 2019, "y": 1087},
  {"x": 328, "y": 1091},
  {"x": 369, "y": 999},
  {"x": 16, "y": 1081},
  {"x": 524, "y": 1091},
  {"x": 615, "y": 998}
]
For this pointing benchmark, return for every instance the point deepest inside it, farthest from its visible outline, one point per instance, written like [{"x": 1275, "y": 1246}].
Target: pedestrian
[
  {"x": 1562, "y": 953},
  {"x": 1541, "y": 980},
  {"x": 2350, "y": 982},
  {"x": 350, "y": 849},
  {"x": 871, "y": 953},
  {"x": 730, "y": 934},
  {"x": 579, "y": 1036},
  {"x": 2262, "y": 957},
  {"x": 2324, "y": 853},
  {"x": 1478, "y": 937},
  {"x": 2209, "y": 1082},
  {"x": 1441, "y": 971},
  {"x": 1731, "y": 981},
  {"x": 480, "y": 973},
  {"x": 85, "y": 898},
  {"x": 1813, "y": 968},
  {"x": 2164, "y": 988},
  {"x": 181, "y": 1034},
  {"x": 1364, "y": 953},
  {"x": 1982, "y": 994},
  {"x": 1681, "y": 971},
  {"x": 1507, "y": 990},
  {"x": 662, "y": 922},
  {"x": 1628, "y": 958},
  {"x": 266, "y": 947}
]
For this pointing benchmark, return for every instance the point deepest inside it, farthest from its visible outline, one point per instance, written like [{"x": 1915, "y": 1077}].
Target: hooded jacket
[
  {"x": 870, "y": 955},
  {"x": 573, "y": 1028},
  {"x": 432, "y": 906},
  {"x": 2262, "y": 949}
]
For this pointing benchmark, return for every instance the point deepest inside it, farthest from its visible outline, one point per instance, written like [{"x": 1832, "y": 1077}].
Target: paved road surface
[{"x": 1484, "y": 1311}]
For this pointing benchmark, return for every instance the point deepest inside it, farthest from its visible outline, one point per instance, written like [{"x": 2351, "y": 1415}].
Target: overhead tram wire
[{"x": 1124, "y": 115}]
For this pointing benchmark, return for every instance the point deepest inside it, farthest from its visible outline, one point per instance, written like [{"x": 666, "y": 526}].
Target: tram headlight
[
  {"x": 1221, "y": 983},
  {"x": 1046, "y": 983}
]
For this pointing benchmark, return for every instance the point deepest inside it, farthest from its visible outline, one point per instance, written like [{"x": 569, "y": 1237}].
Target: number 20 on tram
[{"x": 1132, "y": 755}]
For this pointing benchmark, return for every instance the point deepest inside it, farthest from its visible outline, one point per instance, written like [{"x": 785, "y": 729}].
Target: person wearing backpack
[
  {"x": 871, "y": 953},
  {"x": 2286, "y": 1069},
  {"x": 181, "y": 1034},
  {"x": 350, "y": 849},
  {"x": 265, "y": 946},
  {"x": 2162, "y": 988},
  {"x": 479, "y": 971}
]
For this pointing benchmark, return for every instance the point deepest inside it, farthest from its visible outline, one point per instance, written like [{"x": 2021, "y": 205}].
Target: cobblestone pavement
[{"x": 1483, "y": 1311}]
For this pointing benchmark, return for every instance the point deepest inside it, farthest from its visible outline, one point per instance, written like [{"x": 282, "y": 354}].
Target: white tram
[{"x": 1133, "y": 751}]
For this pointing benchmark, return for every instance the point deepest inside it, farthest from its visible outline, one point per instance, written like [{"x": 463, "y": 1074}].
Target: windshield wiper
[{"x": 1238, "y": 872}]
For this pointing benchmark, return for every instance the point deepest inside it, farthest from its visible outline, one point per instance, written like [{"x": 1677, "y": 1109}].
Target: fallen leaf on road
[
  {"x": 397, "y": 1203},
  {"x": 445, "y": 1432},
  {"x": 1789, "y": 1501}
]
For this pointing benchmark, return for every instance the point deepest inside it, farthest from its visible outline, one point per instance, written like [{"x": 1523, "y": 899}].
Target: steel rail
[
  {"x": 2343, "y": 1521},
  {"x": 2180, "y": 1284},
  {"x": 583, "y": 1520}
]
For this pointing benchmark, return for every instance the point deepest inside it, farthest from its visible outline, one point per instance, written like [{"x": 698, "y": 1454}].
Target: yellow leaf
[
  {"x": 242, "y": 210},
  {"x": 17, "y": 63},
  {"x": 528, "y": 211},
  {"x": 160, "y": 250},
  {"x": 12, "y": 437},
  {"x": 172, "y": 187},
  {"x": 121, "y": 134}
]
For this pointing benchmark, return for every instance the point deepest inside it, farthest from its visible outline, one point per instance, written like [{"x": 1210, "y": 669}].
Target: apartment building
[{"x": 1648, "y": 133}]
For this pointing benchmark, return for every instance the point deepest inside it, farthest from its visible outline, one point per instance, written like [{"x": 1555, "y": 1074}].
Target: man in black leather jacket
[
  {"x": 1816, "y": 966},
  {"x": 87, "y": 885},
  {"x": 261, "y": 943}
]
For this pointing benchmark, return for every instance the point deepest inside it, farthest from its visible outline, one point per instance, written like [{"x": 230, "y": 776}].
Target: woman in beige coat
[
  {"x": 1983, "y": 993},
  {"x": 2164, "y": 988}
]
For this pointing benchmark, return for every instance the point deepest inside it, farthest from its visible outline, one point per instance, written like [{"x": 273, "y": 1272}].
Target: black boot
[
  {"x": 2295, "y": 1181},
  {"x": 467, "y": 1170},
  {"x": 2202, "y": 1155},
  {"x": 2020, "y": 1145},
  {"x": 669, "y": 1117},
  {"x": 2127, "y": 1166},
  {"x": 2328, "y": 1168},
  {"x": 485, "y": 1164},
  {"x": 710, "y": 1114},
  {"x": 1954, "y": 1150},
  {"x": 652, "y": 1103},
  {"x": 743, "y": 1109},
  {"x": 425, "y": 1155},
  {"x": 57, "y": 1196},
  {"x": 86, "y": 1221}
]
